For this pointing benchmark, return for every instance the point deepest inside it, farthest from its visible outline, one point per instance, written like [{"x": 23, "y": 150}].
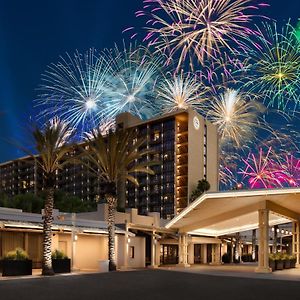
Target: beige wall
[
  {"x": 139, "y": 244},
  {"x": 89, "y": 250},
  {"x": 212, "y": 157},
  {"x": 195, "y": 152}
]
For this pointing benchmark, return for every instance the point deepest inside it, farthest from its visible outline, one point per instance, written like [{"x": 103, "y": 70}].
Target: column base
[
  {"x": 215, "y": 264},
  {"x": 153, "y": 267},
  {"x": 183, "y": 265},
  {"x": 263, "y": 270},
  {"x": 75, "y": 269}
]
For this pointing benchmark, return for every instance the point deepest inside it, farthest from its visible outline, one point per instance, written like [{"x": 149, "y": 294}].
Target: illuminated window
[
  {"x": 156, "y": 136},
  {"x": 131, "y": 251}
]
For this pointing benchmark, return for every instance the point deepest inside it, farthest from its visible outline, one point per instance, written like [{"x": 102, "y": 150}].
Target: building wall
[
  {"x": 89, "y": 250},
  {"x": 196, "y": 152},
  {"x": 186, "y": 155},
  {"x": 212, "y": 157}
]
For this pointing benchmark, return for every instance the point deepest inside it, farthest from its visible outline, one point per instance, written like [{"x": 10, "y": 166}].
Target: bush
[
  {"x": 226, "y": 258},
  {"x": 247, "y": 257},
  {"x": 17, "y": 254},
  {"x": 59, "y": 255}
]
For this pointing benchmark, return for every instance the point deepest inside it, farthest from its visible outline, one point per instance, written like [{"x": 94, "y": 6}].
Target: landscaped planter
[
  {"x": 16, "y": 267},
  {"x": 61, "y": 265},
  {"x": 272, "y": 265},
  {"x": 279, "y": 264},
  {"x": 293, "y": 263},
  {"x": 286, "y": 264}
]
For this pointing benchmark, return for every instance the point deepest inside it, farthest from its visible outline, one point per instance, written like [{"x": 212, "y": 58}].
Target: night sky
[{"x": 34, "y": 34}]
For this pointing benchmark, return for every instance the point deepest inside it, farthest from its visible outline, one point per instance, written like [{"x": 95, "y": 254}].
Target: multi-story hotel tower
[{"x": 185, "y": 144}]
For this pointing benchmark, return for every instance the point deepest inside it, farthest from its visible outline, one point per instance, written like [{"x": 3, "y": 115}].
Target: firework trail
[
  {"x": 134, "y": 75},
  {"x": 74, "y": 89},
  {"x": 189, "y": 30},
  {"x": 236, "y": 115},
  {"x": 260, "y": 170},
  {"x": 273, "y": 67},
  {"x": 181, "y": 92}
]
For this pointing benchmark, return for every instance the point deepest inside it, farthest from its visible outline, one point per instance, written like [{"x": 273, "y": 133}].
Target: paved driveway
[{"x": 147, "y": 284}]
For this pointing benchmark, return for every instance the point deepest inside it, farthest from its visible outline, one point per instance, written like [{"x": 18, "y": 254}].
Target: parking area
[{"x": 148, "y": 284}]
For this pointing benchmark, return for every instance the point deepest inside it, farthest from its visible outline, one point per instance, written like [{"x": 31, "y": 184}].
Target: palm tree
[
  {"x": 114, "y": 158},
  {"x": 52, "y": 147}
]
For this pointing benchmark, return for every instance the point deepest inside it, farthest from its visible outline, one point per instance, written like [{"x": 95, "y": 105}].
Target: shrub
[
  {"x": 247, "y": 257},
  {"x": 17, "y": 254},
  {"x": 58, "y": 255},
  {"x": 226, "y": 258}
]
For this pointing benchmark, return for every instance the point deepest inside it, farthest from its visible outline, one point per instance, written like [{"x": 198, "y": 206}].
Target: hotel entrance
[
  {"x": 202, "y": 253},
  {"x": 169, "y": 254}
]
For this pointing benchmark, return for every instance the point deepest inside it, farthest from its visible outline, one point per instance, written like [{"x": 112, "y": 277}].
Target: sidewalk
[
  {"x": 241, "y": 271},
  {"x": 37, "y": 273}
]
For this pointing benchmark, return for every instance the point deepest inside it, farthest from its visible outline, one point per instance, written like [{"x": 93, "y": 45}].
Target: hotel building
[{"x": 185, "y": 144}]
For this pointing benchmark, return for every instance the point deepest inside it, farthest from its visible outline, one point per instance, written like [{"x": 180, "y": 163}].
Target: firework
[
  {"x": 260, "y": 170},
  {"x": 134, "y": 74},
  {"x": 236, "y": 115},
  {"x": 274, "y": 66},
  {"x": 289, "y": 172},
  {"x": 197, "y": 29},
  {"x": 74, "y": 89},
  {"x": 181, "y": 92}
]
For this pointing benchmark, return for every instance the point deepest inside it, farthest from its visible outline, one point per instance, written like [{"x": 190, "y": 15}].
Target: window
[{"x": 131, "y": 252}]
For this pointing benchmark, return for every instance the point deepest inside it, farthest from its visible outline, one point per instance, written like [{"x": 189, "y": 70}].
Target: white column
[
  {"x": 191, "y": 254},
  {"x": 296, "y": 241},
  {"x": 204, "y": 253},
  {"x": 183, "y": 250},
  {"x": 153, "y": 251},
  {"x": 73, "y": 241},
  {"x": 216, "y": 254},
  {"x": 263, "y": 250},
  {"x": 126, "y": 246}
]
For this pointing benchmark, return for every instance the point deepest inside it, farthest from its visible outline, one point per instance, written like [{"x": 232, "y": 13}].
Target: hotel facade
[
  {"x": 184, "y": 143},
  {"x": 160, "y": 226}
]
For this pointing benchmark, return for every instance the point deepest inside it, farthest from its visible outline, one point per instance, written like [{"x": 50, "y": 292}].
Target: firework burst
[
  {"x": 274, "y": 66},
  {"x": 289, "y": 172},
  {"x": 236, "y": 115},
  {"x": 74, "y": 90},
  {"x": 181, "y": 92},
  {"x": 197, "y": 29},
  {"x": 260, "y": 170},
  {"x": 134, "y": 75}
]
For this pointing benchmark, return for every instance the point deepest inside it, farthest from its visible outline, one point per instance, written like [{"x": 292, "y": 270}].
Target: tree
[
  {"x": 28, "y": 202},
  {"x": 69, "y": 203},
  {"x": 114, "y": 158},
  {"x": 203, "y": 186},
  {"x": 52, "y": 146}
]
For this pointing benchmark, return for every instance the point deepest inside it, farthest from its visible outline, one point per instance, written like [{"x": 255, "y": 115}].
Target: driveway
[{"x": 147, "y": 284}]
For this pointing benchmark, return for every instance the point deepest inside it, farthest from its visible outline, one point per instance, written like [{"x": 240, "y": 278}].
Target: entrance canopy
[{"x": 221, "y": 213}]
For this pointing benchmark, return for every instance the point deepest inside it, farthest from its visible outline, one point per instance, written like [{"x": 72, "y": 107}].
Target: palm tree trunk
[
  {"x": 112, "y": 204},
  {"x": 47, "y": 233}
]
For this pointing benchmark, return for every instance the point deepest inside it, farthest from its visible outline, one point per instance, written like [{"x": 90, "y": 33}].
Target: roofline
[{"x": 239, "y": 193}]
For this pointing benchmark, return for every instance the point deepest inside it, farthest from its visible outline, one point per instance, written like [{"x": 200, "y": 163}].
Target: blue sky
[{"x": 34, "y": 33}]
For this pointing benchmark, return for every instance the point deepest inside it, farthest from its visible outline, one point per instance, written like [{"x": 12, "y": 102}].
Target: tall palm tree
[
  {"x": 52, "y": 147},
  {"x": 114, "y": 158}
]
